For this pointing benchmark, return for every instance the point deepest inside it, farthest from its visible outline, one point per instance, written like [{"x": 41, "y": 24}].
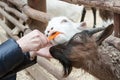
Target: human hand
[
  {"x": 45, "y": 51},
  {"x": 33, "y": 41}
]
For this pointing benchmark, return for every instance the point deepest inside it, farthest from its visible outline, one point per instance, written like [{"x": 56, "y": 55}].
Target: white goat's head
[{"x": 64, "y": 28}]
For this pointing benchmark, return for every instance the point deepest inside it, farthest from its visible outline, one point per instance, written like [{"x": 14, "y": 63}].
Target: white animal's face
[{"x": 65, "y": 27}]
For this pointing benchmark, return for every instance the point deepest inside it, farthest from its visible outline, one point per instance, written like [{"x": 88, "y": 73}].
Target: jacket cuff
[{"x": 11, "y": 55}]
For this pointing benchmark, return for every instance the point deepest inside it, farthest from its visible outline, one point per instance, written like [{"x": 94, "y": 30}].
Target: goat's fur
[{"x": 82, "y": 52}]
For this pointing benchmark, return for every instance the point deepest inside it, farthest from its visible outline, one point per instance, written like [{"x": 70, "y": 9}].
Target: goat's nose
[
  {"x": 48, "y": 31},
  {"x": 47, "y": 35}
]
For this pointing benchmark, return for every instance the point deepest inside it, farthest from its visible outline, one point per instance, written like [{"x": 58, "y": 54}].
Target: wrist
[
  {"x": 22, "y": 46},
  {"x": 32, "y": 55}
]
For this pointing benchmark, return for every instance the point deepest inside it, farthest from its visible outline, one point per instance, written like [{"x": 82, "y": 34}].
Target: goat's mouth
[
  {"x": 53, "y": 35},
  {"x": 58, "y": 54}
]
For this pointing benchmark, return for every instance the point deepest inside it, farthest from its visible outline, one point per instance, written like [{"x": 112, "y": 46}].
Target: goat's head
[
  {"x": 80, "y": 49},
  {"x": 65, "y": 28}
]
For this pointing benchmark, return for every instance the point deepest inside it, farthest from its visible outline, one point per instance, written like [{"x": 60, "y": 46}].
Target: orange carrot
[{"x": 51, "y": 37}]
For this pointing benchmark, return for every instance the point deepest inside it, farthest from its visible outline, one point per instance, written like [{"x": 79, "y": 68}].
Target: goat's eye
[
  {"x": 64, "y": 21},
  {"x": 78, "y": 40},
  {"x": 51, "y": 28}
]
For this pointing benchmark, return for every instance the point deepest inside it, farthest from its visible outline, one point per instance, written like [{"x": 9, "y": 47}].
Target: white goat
[{"x": 60, "y": 8}]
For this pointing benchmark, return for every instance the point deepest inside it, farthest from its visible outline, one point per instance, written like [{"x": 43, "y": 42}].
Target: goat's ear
[
  {"x": 107, "y": 32},
  {"x": 82, "y": 25}
]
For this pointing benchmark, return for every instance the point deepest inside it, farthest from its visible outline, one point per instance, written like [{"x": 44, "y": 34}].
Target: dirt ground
[{"x": 23, "y": 75}]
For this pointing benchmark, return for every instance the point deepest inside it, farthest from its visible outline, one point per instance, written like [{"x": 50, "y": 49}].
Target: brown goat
[{"x": 82, "y": 52}]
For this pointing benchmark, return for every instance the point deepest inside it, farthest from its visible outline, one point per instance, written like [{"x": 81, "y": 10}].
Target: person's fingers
[
  {"x": 44, "y": 51},
  {"x": 44, "y": 40},
  {"x": 40, "y": 41}
]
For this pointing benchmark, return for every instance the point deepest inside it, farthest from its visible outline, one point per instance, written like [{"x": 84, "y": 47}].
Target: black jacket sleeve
[{"x": 12, "y": 59}]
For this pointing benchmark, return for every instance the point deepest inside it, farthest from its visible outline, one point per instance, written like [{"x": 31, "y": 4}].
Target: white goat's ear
[{"x": 83, "y": 24}]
